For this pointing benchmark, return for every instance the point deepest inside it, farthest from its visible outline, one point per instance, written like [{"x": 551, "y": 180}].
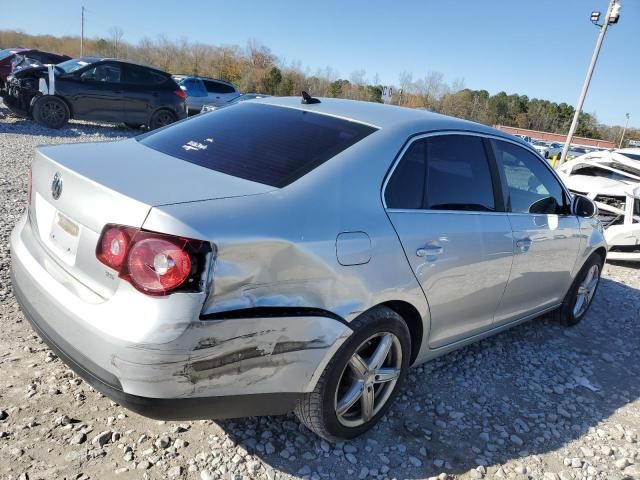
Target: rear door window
[
  {"x": 405, "y": 189},
  {"x": 458, "y": 174},
  {"x": 443, "y": 172},
  {"x": 218, "y": 87},
  {"x": 262, "y": 143},
  {"x": 142, "y": 76}
]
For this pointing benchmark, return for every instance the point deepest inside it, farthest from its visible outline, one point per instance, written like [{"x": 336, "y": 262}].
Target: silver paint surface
[{"x": 324, "y": 242}]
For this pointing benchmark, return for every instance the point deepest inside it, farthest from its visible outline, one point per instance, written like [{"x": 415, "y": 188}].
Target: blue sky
[{"x": 540, "y": 48}]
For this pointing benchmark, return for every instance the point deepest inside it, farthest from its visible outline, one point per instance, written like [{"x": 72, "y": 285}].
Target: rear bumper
[
  {"x": 187, "y": 369},
  {"x": 230, "y": 406}
]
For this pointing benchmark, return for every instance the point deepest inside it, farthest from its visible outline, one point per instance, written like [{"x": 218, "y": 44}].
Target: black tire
[
  {"x": 162, "y": 118},
  {"x": 133, "y": 126},
  {"x": 317, "y": 409},
  {"x": 50, "y": 111},
  {"x": 566, "y": 313}
]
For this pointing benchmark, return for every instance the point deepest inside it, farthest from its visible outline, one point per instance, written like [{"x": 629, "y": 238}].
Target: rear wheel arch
[
  {"x": 602, "y": 252},
  {"x": 412, "y": 318}
]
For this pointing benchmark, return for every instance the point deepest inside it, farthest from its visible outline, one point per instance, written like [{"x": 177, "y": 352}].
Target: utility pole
[
  {"x": 612, "y": 15},
  {"x": 82, "y": 32},
  {"x": 624, "y": 131}
]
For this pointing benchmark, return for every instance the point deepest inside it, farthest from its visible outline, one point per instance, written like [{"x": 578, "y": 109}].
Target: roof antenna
[{"x": 308, "y": 99}]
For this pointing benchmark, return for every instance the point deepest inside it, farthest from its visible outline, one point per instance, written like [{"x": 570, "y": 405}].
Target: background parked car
[
  {"x": 547, "y": 149},
  {"x": 205, "y": 91},
  {"x": 90, "y": 88},
  {"x": 632, "y": 153},
  {"x": 242, "y": 98},
  {"x": 526, "y": 138},
  {"x": 10, "y": 57},
  {"x": 576, "y": 151}
]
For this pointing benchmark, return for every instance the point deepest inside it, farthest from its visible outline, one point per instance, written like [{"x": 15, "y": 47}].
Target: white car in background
[
  {"x": 547, "y": 149},
  {"x": 612, "y": 181},
  {"x": 526, "y": 138},
  {"x": 632, "y": 153}
]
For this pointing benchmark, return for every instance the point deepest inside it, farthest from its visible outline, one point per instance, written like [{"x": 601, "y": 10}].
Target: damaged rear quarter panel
[{"x": 278, "y": 249}]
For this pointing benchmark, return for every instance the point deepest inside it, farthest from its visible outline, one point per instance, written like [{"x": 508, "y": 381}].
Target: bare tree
[{"x": 116, "y": 34}]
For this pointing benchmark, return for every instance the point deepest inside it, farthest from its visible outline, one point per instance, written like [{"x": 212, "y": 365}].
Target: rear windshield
[{"x": 262, "y": 143}]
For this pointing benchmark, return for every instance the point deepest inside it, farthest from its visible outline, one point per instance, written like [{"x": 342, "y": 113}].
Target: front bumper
[{"x": 188, "y": 369}]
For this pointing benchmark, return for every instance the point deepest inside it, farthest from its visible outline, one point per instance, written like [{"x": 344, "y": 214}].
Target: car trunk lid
[{"x": 78, "y": 189}]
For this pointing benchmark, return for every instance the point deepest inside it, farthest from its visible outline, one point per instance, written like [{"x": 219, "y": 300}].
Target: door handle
[
  {"x": 429, "y": 250},
  {"x": 523, "y": 244}
]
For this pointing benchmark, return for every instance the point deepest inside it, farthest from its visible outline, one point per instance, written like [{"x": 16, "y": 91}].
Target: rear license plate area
[{"x": 64, "y": 236}]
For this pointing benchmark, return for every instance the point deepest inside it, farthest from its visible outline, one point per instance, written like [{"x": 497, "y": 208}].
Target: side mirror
[{"x": 583, "y": 207}]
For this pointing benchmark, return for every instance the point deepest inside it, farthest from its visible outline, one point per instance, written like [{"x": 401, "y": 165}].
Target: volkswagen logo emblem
[{"x": 56, "y": 186}]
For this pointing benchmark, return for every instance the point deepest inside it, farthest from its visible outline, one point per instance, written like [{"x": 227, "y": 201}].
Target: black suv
[{"x": 103, "y": 89}]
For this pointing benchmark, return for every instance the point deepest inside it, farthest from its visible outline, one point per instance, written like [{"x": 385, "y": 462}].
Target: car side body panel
[{"x": 322, "y": 249}]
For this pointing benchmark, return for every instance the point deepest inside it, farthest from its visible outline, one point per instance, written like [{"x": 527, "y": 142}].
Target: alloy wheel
[
  {"x": 368, "y": 379},
  {"x": 586, "y": 290},
  {"x": 164, "y": 118},
  {"x": 53, "y": 112}
]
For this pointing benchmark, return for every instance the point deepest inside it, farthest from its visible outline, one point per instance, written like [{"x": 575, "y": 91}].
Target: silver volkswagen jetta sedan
[{"x": 275, "y": 256}]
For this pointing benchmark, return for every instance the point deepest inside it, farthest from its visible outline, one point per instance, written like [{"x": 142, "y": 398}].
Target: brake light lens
[
  {"x": 158, "y": 265},
  {"x": 154, "y": 263},
  {"x": 181, "y": 94},
  {"x": 114, "y": 244}
]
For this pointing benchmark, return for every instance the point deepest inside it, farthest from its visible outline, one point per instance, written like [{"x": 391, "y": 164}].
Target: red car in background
[{"x": 10, "y": 55}]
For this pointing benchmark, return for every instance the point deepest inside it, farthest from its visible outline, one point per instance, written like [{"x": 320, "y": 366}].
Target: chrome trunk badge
[{"x": 56, "y": 186}]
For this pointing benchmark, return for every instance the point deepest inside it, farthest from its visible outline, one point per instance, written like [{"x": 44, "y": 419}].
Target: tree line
[{"x": 255, "y": 68}]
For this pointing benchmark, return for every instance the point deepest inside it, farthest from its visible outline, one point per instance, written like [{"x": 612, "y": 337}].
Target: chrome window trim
[{"x": 487, "y": 136}]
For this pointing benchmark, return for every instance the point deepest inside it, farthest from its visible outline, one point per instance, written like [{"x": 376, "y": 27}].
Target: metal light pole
[
  {"x": 624, "y": 131},
  {"x": 613, "y": 8},
  {"x": 82, "y": 32}
]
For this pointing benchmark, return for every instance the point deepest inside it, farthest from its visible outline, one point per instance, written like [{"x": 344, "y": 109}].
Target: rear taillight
[
  {"x": 181, "y": 94},
  {"x": 154, "y": 263},
  {"x": 114, "y": 245},
  {"x": 29, "y": 187}
]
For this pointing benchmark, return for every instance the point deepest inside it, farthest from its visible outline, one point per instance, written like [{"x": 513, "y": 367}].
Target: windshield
[
  {"x": 6, "y": 52},
  {"x": 72, "y": 65}
]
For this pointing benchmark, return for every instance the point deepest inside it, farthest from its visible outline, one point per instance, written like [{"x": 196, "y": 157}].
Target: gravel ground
[{"x": 539, "y": 401}]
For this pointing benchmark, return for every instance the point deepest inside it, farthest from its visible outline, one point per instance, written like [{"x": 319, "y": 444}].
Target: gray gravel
[{"x": 538, "y": 402}]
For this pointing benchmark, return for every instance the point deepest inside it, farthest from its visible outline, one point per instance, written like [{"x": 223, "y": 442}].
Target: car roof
[
  {"x": 119, "y": 60},
  {"x": 184, "y": 76},
  {"x": 383, "y": 116},
  {"x": 29, "y": 50}
]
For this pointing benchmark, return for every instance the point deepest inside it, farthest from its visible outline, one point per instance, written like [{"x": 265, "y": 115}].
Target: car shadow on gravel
[
  {"x": 11, "y": 124},
  {"x": 527, "y": 391}
]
